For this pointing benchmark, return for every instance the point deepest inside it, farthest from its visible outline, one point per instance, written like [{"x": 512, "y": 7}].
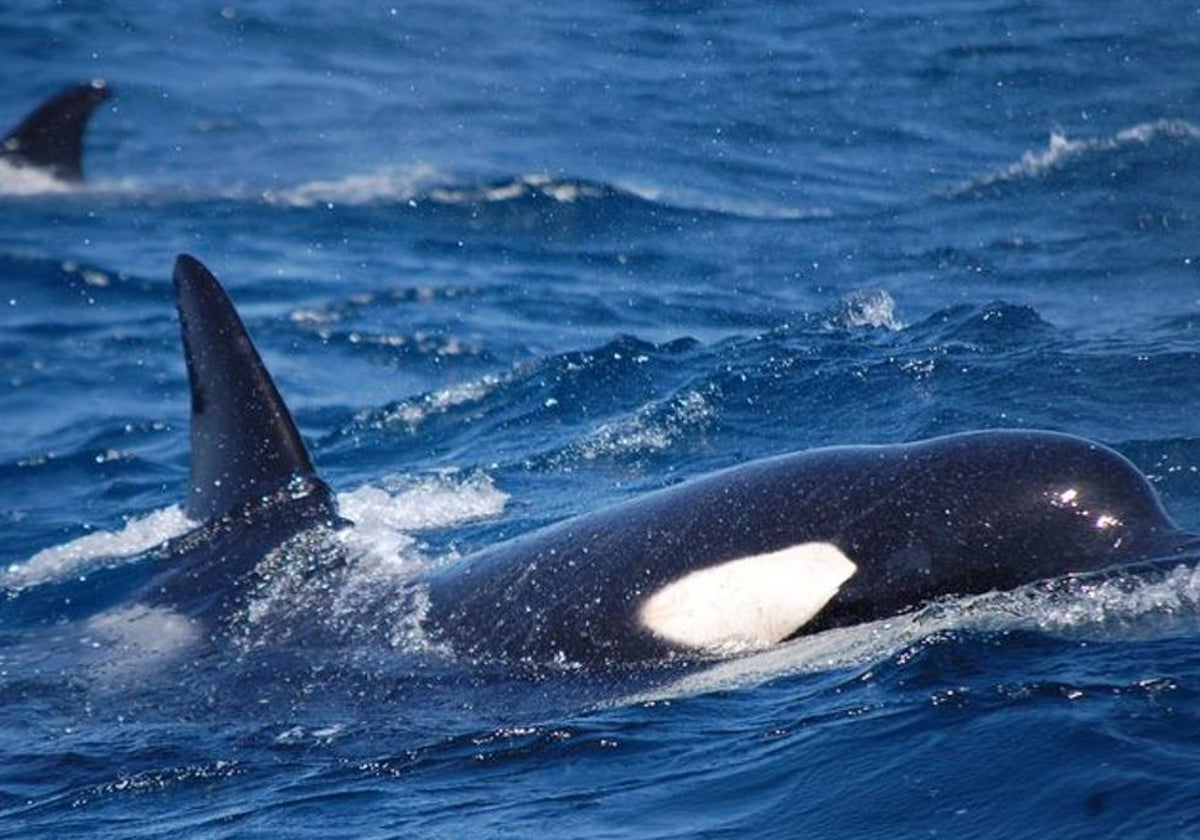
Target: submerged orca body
[
  {"x": 50, "y": 138},
  {"x": 737, "y": 560}
]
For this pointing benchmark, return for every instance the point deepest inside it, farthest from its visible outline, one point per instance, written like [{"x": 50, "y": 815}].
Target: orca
[
  {"x": 50, "y": 137},
  {"x": 728, "y": 563}
]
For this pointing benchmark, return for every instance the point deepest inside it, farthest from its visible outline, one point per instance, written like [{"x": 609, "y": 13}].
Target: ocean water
[{"x": 511, "y": 262}]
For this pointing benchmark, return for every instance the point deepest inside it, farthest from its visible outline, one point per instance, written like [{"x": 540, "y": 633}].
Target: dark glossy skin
[
  {"x": 244, "y": 442},
  {"x": 51, "y": 136},
  {"x": 211, "y": 573},
  {"x": 251, "y": 483},
  {"x": 963, "y": 514},
  {"x": 957, "y": 515}
]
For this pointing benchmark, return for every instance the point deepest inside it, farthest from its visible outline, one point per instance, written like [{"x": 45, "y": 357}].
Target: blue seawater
[{"x": 511, "y": 262}]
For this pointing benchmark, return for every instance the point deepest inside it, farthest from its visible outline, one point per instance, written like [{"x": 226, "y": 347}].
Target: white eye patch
[{"x": 748, "y": 603}]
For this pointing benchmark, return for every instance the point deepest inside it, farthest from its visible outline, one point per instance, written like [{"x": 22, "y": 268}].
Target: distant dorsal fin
[
  {"x": 244, "y": 442},
  {"x": 51, "y": 136}
]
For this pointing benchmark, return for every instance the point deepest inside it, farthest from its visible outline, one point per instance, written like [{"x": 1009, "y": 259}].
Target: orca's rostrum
[{"x": 737, "y": 560}]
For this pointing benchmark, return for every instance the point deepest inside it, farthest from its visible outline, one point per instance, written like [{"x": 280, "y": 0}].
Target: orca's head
[{"x": 1057, "y": 503}]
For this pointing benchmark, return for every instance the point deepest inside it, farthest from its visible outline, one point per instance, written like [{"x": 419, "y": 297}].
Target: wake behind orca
[
  {"x": 735, "y": 561},
  {"x": 50, "y": 137}
]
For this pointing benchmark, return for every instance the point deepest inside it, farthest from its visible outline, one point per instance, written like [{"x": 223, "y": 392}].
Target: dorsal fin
[
  {"x": 244, "y": 442},
  {"x": 51, "y": 136}
]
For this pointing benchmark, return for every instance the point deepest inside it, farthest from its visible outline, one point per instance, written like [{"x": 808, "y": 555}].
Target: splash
[
  {"x": 384, "y": 521},
  {"x": 29, "y": 180},
  {"x": 1116, "y": 601},
  {"x": 140, "y": 534},
  {"x": 385, "y": 517},
  {"x": 355, "y": 584},
  {"x": 873, "y": 308}
]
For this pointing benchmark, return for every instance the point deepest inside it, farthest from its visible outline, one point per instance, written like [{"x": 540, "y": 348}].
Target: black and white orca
[
  {"x": 738, "y": 560},
  {"x": 50, "y": 137}
]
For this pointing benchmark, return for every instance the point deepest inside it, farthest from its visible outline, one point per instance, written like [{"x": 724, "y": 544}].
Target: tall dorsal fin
[
  {"x": 51, "y": 136},
  {"x": 244, "y": 443}
]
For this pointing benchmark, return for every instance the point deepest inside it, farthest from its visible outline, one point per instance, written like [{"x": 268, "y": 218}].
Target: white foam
[
  {"x": 29, "y": 180},
  {"x": 423, "y": 502},
  {"x": 299, "y": 736},
  {"x": 562, "y": 191},
  {"x": 139, "y": 534},
  {"x": 32, "y": 181},
  {"x": 1108, "y": 603},
  {"x": 423, "y": 182},
  {"x": 393, "y": 184},
  {"x": 385, "y": 518},
  {"x": 144, "y": 630},
  {"x": 134, "y": 641}
]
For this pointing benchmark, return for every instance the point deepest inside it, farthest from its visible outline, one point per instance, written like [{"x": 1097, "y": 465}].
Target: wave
[
  {"x": 628, "y": 400},
  {"x": 691, "y": 201},
  {"x": 422, "y": 185},
  {"x": 996, "y": 325},
  {"x": 1062, "y": 152},
  {"x": 654, "y": 427},
  {"x": 425, "y": 187},
  {"x": 412, "y": 413},
  {"x": 605, "y": 404}
]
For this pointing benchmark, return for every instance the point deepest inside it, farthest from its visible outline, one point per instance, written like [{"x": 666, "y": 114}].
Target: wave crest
[
  {"x": 424, "y": 187},
  {"x": 1062, "y": 151}
]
